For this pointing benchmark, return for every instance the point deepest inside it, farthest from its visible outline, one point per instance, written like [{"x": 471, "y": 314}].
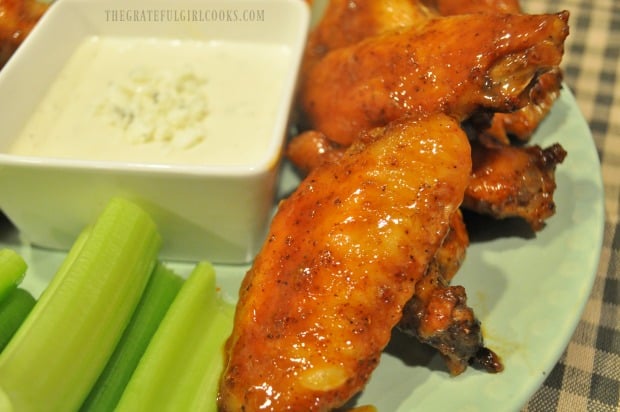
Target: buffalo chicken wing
[
  {"x": 457, "y": 65},
  {"x": 513, "y": 181},
  {"x": 343, "y": 256}
]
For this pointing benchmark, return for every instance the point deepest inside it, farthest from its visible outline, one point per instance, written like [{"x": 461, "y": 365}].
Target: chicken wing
[
  {"x": 512, "y": 181},
  {"x": 458, "y": 336},
  {"x": 17, "y": 18},
  {"x": 521, "y": 124},
  {"x": 343, "y": 255},
  {"x": 456, "y": 65}
]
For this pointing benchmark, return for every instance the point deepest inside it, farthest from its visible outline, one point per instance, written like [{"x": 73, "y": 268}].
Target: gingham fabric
[{"x": 587, "y": 376}]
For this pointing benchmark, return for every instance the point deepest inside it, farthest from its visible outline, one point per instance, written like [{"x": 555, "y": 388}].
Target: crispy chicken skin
[
  {"x": 343, "y": 255},
  {"x": 456, "y": 65},
  {"x": 17, "y": 18},
  {"x": 513, "y": 181}
]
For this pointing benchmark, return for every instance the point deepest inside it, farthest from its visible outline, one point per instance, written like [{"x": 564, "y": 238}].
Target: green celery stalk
[
  {"x": 12, "y": 271},
  {"x": 63, "y": 345},
  {"x": 156, "y": 299},
  {"x": 180, "y": 369},
  {"x": 13, "y": 311}
]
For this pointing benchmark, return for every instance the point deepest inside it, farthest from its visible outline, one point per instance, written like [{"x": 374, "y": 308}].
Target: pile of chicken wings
[{"x": 410, "y": 113}]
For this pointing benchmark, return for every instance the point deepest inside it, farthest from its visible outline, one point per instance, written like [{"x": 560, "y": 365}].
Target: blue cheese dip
[{"x": 162, "y": 101}]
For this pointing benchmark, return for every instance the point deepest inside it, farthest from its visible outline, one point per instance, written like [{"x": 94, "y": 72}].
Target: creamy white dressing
[{"x": 152, "y": 100}]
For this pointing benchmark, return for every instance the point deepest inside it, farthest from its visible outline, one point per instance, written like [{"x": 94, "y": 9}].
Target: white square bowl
[{"x": 205, "y": 211}]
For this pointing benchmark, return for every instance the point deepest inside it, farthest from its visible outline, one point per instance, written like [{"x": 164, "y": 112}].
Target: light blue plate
[{"x": 529, "y": 293}]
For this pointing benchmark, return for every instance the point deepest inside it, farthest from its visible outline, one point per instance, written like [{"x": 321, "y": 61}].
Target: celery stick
[
  {"x": 156, "y": 299},
  {"x": 13, "y": 311},
  {"x": 181, "y": 366},
  {"x": 61, "y": 348},
  {"x": 12, "y": 271}
]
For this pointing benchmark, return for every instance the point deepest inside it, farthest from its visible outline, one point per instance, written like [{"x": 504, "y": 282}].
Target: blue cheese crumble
[{"x": 158, "y": 106}]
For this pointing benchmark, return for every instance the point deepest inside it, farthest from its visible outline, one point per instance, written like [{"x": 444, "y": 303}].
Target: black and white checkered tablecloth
[{"x": 587, "y": 376}]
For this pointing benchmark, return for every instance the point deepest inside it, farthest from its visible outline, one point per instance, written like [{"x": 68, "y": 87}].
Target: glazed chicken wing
[
  {"x": 456, "y": 65},
  {"x": 437, "y": 314},
  {"x": 512, "y": 181},
  {"x": 343, "y": 256},
  {"x": 521, "y": 124}
]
